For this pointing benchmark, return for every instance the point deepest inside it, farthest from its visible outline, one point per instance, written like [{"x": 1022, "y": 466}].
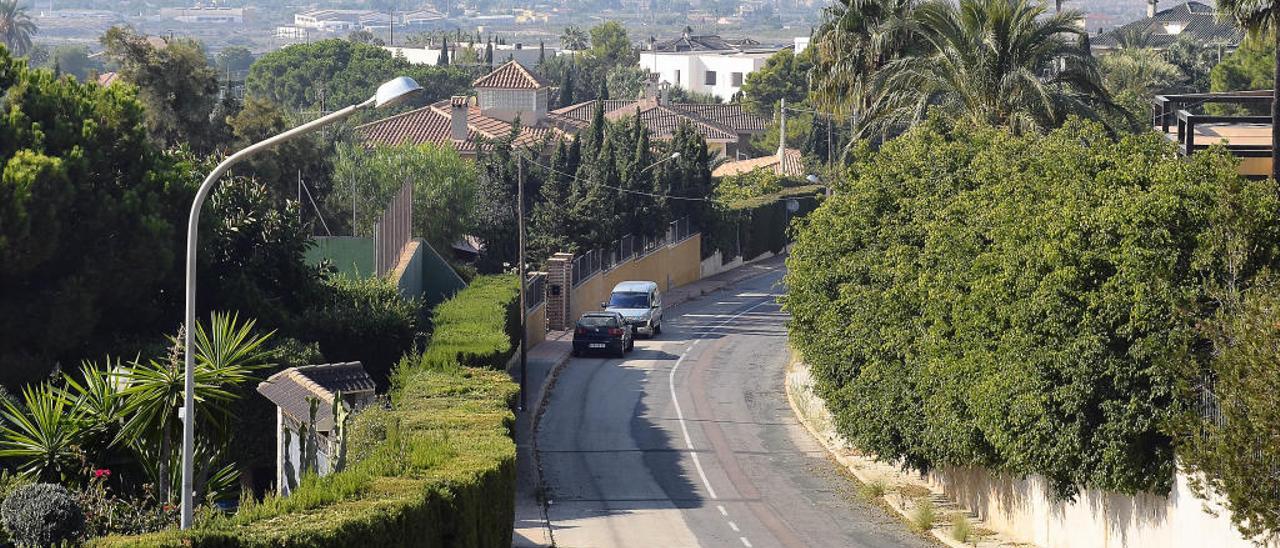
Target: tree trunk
[{"x": 1275, "y": 95}]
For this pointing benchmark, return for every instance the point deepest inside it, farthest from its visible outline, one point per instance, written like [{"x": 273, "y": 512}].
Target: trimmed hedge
[
  {"x": 438, "y": 468},
  {"x": 479, "y": 327}
]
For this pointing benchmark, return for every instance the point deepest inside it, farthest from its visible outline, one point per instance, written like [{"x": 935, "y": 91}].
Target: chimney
[
  {"x": 459, "y": 109},
  {"x": 1151, "y": 8}
]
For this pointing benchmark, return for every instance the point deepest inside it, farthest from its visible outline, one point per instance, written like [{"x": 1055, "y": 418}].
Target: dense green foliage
[
  {"x": 970, "y": 297},
  {"x": 86, "y": 221},
  {"x": 478, "y": 327},
  {"x": 784, "y": 75},
  {"x": 436, "y": 469},
  {"x": 750, "y": 226},
  {"x": 332, "y": 74},
  {"x": 444, "y": 188},
  {"x": 364, "y": 320},
  {"x": 1227, "y": 439},
  {"x": 1250, "y": 67}
]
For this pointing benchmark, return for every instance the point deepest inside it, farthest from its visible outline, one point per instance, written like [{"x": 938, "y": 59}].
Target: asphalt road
[{"x": 689, "y": 441}]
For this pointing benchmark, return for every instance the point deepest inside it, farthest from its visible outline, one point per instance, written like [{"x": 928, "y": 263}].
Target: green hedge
[
  {"x": 758, "y": 224},
  {"x": 436, "y": 470},
  {"x": 1023, "y": 303},
  {"x": 479, "y": 327}
]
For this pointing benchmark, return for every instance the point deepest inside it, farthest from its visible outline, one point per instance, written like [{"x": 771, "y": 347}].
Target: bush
[
  {"x": 478, "y": 327},
  {"x": 364, "y": 320},
  {"x": 923, "y": 515},
  {"x": 753, "y": 226},
  {"x": 1021, "y": 303},
  {"x": 41, "y": 514}
]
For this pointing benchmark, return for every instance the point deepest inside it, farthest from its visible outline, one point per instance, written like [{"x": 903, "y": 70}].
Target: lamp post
[{"x": 389, "y": 94}]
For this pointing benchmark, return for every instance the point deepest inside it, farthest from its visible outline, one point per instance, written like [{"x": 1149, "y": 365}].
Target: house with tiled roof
[
  {"x": 706, "y": 63},
  {"x": 305, "y": 399},
  {"x": 508, "y": 93},
  {"x": 786, "y": 163},
  {"x": 727, "y": 128},
  {"x": 514, "y": 92},
  {"x": 1161, "y": 28}
]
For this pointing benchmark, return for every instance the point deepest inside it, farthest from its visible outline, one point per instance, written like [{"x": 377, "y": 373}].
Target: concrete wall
[
  {"x": 1025, "y": 510},
  {"x": 423, "y": 273},
  {"x": 670, "y": 266},
  {"x": 536, "y": 325}
]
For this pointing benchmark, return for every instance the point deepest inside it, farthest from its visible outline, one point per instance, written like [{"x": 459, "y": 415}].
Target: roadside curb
[
  {"x": 535, "y": 420},
  {"x": 858, "y": 467}
]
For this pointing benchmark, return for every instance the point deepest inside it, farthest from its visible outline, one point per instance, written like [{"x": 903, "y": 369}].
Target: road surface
[{"x": 689, "y": 441}]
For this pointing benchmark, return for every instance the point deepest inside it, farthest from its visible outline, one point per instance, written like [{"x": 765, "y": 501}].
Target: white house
[
  {"x": 525, "y": 54},
  {"x": 705, "y": 63},
  {"x": 204, "y": 15},
  {"x": 331, "y": 20}
]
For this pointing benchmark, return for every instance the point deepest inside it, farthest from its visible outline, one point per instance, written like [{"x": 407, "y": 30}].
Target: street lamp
[
  {"x": 673, "y": 156},
  {"x": 389, "y": 94}
]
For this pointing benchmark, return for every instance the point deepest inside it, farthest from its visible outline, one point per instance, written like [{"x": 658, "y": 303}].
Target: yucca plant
[
  {"x": 97, "y": 394},
  {"x": 226, "y": 356},
  {"x": 43, "y": 433}
]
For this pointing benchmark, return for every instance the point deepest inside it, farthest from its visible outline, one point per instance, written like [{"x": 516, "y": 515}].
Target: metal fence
[
  {"x": 629, "y": 247},
  {"x": 534, "y": 290},
  {"x": 393, "y": 230}
]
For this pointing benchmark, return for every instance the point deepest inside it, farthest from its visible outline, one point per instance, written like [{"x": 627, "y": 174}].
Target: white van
[{"x": 640, "y": 303}]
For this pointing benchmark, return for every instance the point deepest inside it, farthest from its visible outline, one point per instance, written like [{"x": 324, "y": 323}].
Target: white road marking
[
  {"x": 750, "y": 295},
  {"x": 734, "y": 526},
  {"x": 726, "y": 303},
  {"x": 745, "y": 542},
  {"x": 675, "y": 400},
  {"x": 723, "y": 512}
]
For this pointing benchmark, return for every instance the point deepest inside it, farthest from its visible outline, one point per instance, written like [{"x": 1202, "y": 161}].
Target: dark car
[{"x": 602, "y": 332}]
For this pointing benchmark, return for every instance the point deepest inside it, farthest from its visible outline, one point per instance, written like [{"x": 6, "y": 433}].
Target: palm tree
[
  {"x": 997, "y": 62},
  {"x": 1258, "y": 17},
  {"x": 574, "y": 38},
  {"x": 16, "y": 27}
]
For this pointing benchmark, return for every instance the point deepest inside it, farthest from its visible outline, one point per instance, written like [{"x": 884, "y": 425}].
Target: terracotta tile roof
[
  {"x": 732, "y": 116},
  {"x": 511, "y": 75},
  {"x": 107, "y": 78},
  {"x": 790, "y": 165},
  {"x": 291, "y": 388},
  {"x": 489, "y": 127},
  {"x": 423, "y": 125},
  {"x": 662, "y": 120}
]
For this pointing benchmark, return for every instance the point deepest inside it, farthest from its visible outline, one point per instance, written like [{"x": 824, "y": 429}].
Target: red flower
[{"x": 102, "y": 473}]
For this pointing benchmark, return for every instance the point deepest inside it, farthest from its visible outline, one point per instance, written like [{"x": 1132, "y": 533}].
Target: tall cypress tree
[
  {"x": 443, "y": 59},
  {"x": 566, "y": 87}
]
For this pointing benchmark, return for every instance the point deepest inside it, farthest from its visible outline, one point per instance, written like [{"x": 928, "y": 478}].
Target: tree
[
  {"x": 1259, "y": 17},
  {"x": 443, "y": 59},
  {"x": 626, "y": 81},
  {"x": 784, "y": 75},
  {"x": 74, "y": 60},
  {"x": 551, "y": 225},
  {"x": 175, "y": 82},
  {"x": 88, "y": 216},
  {"x": 574, "y": 39},
  {"x": 337, "y": 73},
  {"x": 610, "y": 45},
  {"x": 856, "y": 39},
  {"x": 1195, "y": 60},
  {"x": 1248, "y": 68},
  {"x": 488, "y": 53},
  {"x": 233, "y": 62},
  {"x": 16, "y": 27},
  {"x": 542, "y": 52},
  {"x": 1133, "y": 76},
  {"x": 279, "y": 169},
  {"x": 982, "y": 61},
  {"x": 566, "y": 92},
  {"x": 444, "y": 188}
]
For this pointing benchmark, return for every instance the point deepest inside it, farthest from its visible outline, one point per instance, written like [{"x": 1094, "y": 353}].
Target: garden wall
[
  {"x": 670, "y": 266},
  {"x": 1025, "y": 510}
]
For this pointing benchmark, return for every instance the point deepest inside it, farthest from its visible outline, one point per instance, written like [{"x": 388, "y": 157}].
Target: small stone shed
[{"x": 292, "y": 391}]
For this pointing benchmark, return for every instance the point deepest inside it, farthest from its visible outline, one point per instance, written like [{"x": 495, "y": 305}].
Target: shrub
[
  {"x": 753, "y": 226},
  {"x": 41, "y": 514},
  {"x": 1021, "y": 303},
  {"x": 478, "y": 327},
  {"x": 961, "y": 529},
  {"x": 923, "y": 515},
  {"x": 365, "y": 320},
  {"x": 872, "y": 490}
]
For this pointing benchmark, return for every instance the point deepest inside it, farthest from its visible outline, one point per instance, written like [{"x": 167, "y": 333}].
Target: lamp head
[
  {"x": 675, "y": 155},
  {"x": 395, "y": 91},
  {"x": 813, "y": 179}
]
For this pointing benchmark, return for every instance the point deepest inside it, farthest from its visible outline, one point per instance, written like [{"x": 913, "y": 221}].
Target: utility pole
[
  {"x": 830, "y": 122},
  {"x": 524, "y": 331}
]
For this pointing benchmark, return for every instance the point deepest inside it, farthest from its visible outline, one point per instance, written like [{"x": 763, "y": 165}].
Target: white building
[
  {"x": 330, "y": 20},
  {"x": 204, "y": 15},
  {"x": 526, "y": 54},
  {"x": 706, "y": 63}
]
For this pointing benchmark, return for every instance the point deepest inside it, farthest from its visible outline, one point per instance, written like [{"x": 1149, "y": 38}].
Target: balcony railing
[{"x": 1178, "y": 117}]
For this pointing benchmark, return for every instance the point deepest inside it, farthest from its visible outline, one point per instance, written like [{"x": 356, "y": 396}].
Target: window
[
  {"x": 737, "y": 79},
  {"x": 677, "y": 82},
  {"x": 711, "y": 78}
]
